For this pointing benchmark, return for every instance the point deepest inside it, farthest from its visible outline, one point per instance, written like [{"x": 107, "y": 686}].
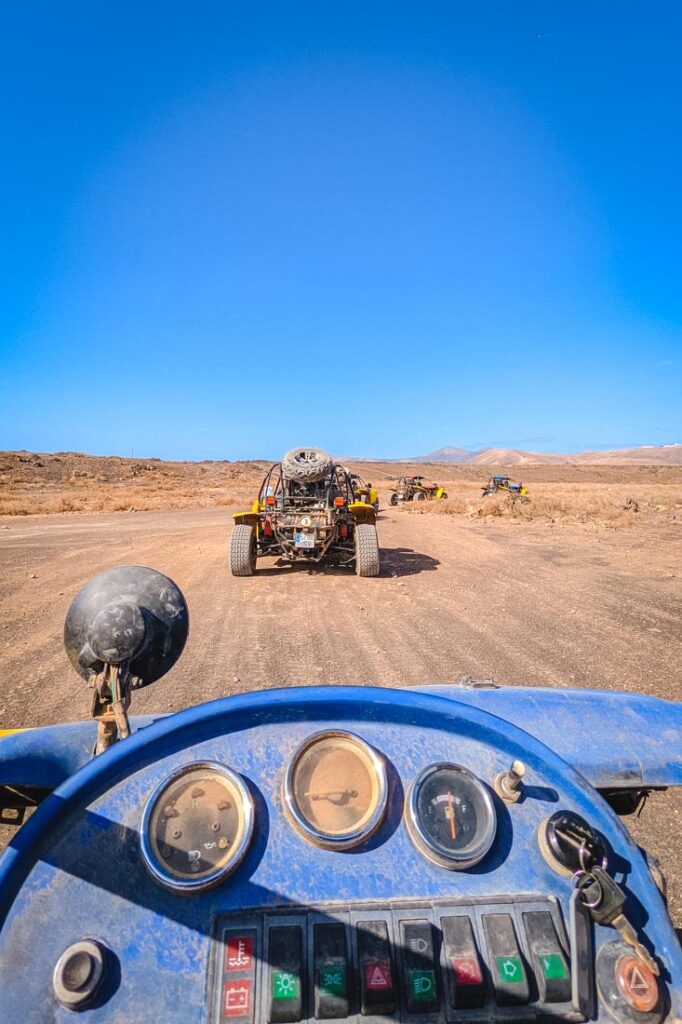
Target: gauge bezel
[
  {"x": 354, "y": 837},
  {"x": 455, "y": 861},
  {"x": 238, "y": 852}
]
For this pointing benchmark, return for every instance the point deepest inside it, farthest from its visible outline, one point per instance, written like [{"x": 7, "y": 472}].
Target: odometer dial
[
  {"x": 451, "y": 816},
  {"x": 335, "y": 790},
  {"x": 197, "y": 827}
]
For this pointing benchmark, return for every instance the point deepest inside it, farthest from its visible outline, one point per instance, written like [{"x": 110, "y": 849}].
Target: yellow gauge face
[
  {"x": 336, "y": 789},
  {"x": 198, "y": 826}
]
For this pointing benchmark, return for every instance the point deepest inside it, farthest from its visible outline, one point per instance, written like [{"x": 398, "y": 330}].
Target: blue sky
[{"x": 228, "y": 229}]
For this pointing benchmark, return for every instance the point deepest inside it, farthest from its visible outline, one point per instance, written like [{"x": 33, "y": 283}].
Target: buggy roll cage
[{"x": 291, "y": 495}]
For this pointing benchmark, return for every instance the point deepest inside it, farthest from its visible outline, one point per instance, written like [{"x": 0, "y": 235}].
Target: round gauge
[
  {"x": 197, "y": 827},
  {"x": 335, "y": 790},
  {"x": 451, "y": 816}
]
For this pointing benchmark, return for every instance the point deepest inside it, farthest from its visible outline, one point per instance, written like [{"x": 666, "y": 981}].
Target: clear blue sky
[{"x": 230, "y": 228}]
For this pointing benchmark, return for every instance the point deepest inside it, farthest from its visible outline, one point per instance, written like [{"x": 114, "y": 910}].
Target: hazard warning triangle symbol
[{"x": 378, "y": 976}]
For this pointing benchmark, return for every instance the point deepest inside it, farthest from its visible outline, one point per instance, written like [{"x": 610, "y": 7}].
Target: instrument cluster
[{"x": 198, "y": 824}]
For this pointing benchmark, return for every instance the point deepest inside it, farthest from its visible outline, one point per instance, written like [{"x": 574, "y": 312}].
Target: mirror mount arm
[{"x": 110, "y": 703}]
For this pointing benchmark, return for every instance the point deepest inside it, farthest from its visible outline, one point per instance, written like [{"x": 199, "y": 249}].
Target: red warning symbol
[
  {"x": 637, "y": 983},
  {"x": 378, "y": 976},
  {"x": 467, "y": 970}
]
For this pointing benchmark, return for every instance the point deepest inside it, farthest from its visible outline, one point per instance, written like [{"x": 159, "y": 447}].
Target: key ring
[
  {"x": 582, "y": 853},
  {"x": 577, "y": 880}
]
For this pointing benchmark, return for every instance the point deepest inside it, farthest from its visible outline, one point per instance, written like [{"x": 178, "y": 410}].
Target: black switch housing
[
  {"x": 549, "y": 959},
  {"x": 507, "y": 965},
  {"x": 374, "y": 956},
  {"x": 285, "y": 955},
  {"x": 467, "y": 991},
  {"x": 332, "y": 971},
  {"x": 420, "y": 979}
]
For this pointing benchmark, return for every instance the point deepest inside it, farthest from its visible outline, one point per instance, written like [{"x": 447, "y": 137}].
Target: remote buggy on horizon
[
  {"x": 416, "y": 488},
  {"x": 306, "y": 511},
  {"x": 503, "y": 484}
]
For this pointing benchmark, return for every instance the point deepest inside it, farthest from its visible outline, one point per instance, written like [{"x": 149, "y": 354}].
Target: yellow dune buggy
[
  {"x": 364, "y": 492},
  {"x": 416, "y": 488},
  {"x": 506, "y": 486},
  {"x": 306, "y": 511}
]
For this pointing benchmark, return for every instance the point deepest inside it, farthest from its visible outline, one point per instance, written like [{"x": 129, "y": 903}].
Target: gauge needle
[
  {"x": 334, "y": 795},
  {"x": 451, "y": 815}
]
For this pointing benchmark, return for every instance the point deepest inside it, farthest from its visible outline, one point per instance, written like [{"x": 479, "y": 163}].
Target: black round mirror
[{"x": 131, "y": 615}]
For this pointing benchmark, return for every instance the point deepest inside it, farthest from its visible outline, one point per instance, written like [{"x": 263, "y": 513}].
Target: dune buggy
[
  {"x": 507, "y": 486},
  {"x": 306, "y": 511},
  {"x": 364, "y": 492},
  {"x": 416, "y": 488}
]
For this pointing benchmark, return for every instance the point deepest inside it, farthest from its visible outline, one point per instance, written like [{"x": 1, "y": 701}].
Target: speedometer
[
  {"x": 197, "y": 827},
  {"x": 335, "y": 790},
  {"x": 451, "y": 816}
]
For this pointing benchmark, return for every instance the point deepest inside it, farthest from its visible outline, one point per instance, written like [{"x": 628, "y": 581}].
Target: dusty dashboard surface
[{"x": 324, "y": 856}]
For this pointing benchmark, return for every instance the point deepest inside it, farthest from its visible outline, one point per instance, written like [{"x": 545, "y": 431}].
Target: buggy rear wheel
[
  {"x": 394, "y": 499},
  {"x": 418, "y": 496},
  {"x": 366, "y": 550},
  {"x": 243, "y": 550}
]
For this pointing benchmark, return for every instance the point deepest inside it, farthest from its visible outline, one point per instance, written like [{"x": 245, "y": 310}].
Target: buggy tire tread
[
  {"x": 366, "y": 550},
  {"x": 243, "y": 550},
  {"x": 306, "y": 465}
]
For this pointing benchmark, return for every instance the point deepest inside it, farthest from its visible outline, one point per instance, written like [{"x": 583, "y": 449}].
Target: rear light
[
  {"x": 339, "y": 502},
  {"x": 270, "y": 500},
  {"x": 343, "y": 531}
]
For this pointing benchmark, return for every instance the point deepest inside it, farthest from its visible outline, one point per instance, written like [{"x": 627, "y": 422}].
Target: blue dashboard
[{"x": 299, "y": 930}]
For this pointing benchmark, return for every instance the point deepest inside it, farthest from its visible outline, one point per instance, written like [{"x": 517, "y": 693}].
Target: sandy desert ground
[{"x": 580, "y": 592}]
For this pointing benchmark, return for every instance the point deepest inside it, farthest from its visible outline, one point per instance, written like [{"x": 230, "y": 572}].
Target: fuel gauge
[{"x": 451, "y": 816}]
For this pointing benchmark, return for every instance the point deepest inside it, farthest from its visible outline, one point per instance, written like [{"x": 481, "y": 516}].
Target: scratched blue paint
[{"x": 74, "y": 869}]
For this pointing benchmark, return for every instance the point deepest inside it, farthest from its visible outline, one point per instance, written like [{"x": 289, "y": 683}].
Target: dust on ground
[{"x": 525, "y": 602}]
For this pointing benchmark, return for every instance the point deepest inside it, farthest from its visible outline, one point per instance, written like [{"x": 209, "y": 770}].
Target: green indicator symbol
[
  {"x": 285, "y": 985},
  {"x": 423, "y": 985},
  {"x": 331, "y": 980},
  {"x": 510, "y": 969},
  {"x": 554, "y": 966}
]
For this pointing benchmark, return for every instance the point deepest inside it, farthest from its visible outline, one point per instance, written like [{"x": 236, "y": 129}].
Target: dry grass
[{"x": 607, "y": 505}]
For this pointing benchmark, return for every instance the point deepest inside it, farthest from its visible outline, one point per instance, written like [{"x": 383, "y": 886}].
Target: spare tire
[{"x": 306, "y": 465}]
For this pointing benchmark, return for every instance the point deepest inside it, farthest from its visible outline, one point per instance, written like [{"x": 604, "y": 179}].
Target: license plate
[{"x": 304, "y": 540}]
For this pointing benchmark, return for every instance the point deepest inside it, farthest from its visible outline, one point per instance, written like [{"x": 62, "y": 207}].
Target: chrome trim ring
[
  {"x": 343, "y": 840},
  {"x": 236, "y": 854},
  {"x": 454, "y": 861}
]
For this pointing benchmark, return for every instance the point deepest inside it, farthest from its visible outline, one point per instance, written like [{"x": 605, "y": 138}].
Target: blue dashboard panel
[
  {"x": 644, "y": 749},
  {"x": 75, "y": 870},
  {"x": 645, "y": 733}
]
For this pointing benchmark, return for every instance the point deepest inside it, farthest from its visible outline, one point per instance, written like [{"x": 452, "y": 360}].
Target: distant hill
[
  {"x": 656, "y": 455},
  {"x": 647, "y": 454},
  {"x": 447, "y": 454},
  {"x": 514, "y": 457}
]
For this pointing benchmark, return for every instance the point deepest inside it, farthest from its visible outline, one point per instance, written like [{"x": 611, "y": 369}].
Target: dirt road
[{"x": 520, "y": 603}]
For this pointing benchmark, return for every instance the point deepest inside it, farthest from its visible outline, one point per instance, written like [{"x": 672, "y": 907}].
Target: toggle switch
[{"x": 508, "y": 785}]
